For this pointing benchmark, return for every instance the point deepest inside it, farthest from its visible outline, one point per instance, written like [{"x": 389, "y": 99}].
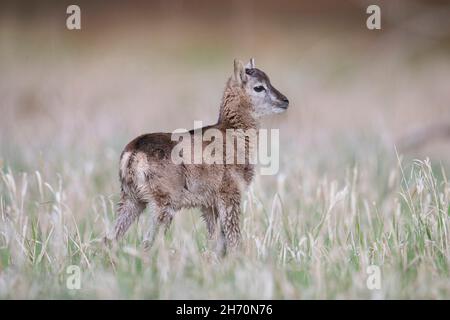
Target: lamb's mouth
[{"x": 281, "y": 108}]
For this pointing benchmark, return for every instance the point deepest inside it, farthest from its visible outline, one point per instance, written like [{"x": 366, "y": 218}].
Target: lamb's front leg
[
  {"x": 209, "y": 215},
  {"x": 229, "y": 216}
]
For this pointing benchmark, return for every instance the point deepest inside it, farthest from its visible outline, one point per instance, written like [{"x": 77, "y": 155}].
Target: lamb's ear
[
  {"x": 250, "y": 64},
  {"x": 239, "y": 72}
]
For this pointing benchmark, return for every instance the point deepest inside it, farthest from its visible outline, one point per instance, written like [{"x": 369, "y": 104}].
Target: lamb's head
[{"x": 256, "y": 84}]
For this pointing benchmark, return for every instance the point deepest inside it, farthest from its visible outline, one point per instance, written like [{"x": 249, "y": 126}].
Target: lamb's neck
[
  {"x": 238, "y": 120},
  {"x": 236, "y": 111}
]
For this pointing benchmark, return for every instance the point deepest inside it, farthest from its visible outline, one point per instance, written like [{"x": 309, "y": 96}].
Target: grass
[
  {"x": 344, "y": 199},
  {"x": 304, "y": 236}
]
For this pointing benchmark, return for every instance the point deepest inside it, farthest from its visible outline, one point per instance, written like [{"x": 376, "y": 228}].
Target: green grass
[
  {"x": 304, "y": 236},
  {"x": 342, "y": 201}
]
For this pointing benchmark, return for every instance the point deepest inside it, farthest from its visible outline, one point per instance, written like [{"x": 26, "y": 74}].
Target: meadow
[{"x": 347, "y": 196}]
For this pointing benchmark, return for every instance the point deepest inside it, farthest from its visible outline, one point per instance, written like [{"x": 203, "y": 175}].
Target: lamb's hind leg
[
  {"x": 159, "y": 217},
  {"x": 128, "y": 211}
]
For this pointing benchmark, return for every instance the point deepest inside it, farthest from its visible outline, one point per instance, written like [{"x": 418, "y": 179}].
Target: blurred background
[
  {"x": 144, "y": 66},
  {"x": 71, "y": 99}
]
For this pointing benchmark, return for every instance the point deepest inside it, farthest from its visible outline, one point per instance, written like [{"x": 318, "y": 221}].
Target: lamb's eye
[{"x": 259, "y": 88}]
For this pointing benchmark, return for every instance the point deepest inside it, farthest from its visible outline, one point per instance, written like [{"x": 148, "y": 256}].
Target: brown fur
[{"x": 149, "y": 177}]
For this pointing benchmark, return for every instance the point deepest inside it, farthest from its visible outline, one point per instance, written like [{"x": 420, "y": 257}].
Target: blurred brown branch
[{"x": 423, "y": 136}]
